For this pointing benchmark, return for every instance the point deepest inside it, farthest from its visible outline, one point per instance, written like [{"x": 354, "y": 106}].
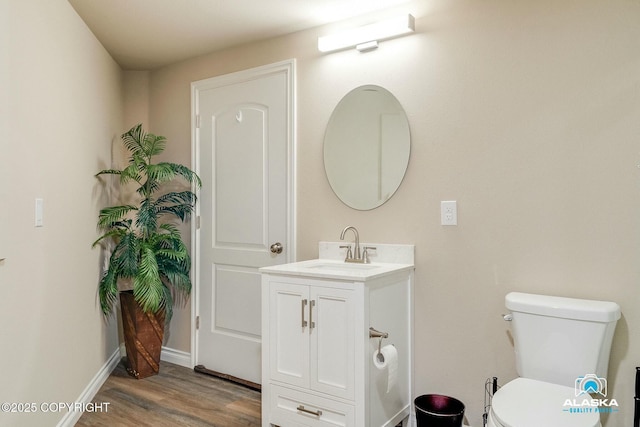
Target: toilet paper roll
[{"x": 387, "y": 359}]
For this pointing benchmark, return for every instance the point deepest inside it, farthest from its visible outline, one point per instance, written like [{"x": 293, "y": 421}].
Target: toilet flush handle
[{"x": 507, "y": 317}]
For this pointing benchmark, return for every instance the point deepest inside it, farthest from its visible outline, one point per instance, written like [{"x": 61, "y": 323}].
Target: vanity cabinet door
[
  {"x": 289, "y": 333},
  {"x": 332, "y": 341},
  {"x": 312, "y": 337}
]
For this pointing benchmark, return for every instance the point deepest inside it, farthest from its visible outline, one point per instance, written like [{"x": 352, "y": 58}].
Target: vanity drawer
[{"x": 294, "y": 408}]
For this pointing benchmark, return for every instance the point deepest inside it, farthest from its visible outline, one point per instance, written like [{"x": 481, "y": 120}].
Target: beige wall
[
  {"x": 527, "y": 114},
  {"x": 136, "y": 100},
  {"x": 61, "y": 108}
]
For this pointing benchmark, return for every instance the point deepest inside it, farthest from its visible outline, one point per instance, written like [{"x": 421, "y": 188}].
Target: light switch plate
[{"x": 39, "y": 212}]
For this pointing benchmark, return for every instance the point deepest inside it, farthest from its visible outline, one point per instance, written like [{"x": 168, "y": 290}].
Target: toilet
[{"x": 562, "y": 348}]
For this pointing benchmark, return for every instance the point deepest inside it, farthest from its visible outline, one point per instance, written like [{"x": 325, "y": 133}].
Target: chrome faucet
[{"x": 356, "y": 251}]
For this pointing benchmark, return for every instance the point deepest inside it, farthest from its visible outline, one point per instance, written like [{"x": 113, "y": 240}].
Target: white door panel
[
  {"x": 241, "y": 184},
  {"x": 236, "y": 284},
  {"x": 245, "y": 146}
]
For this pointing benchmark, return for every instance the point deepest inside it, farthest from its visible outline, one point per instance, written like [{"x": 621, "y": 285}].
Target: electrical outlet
[{"x": 449, "y": 212}]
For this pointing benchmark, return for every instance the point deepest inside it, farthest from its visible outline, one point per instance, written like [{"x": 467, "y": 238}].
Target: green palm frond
[
  {"x": 130, "y": 173},
  {"x": 133, "y": 140},
  {"x": 114, "y": 234},
  {"x": 170, "y": 254},
  {"x": 177, "y": 197},
  {"x": 171, "y": 229},
  {"x": 178, "y": 204},
  {"x": 161, "y": 172},
  {"x": 147, "y": 219},
  {"x": 111, "y": 216},
  {"x": 108, "y": 289},
  {"x": 180, "y": 211},
  {"x": 128, "y": 255},
  {"x": 147, "y": 285},
  {"x": 109, "y": 172},
  {"x": 139, "y": 161},
  {"x": 147, "y": 249},
  {"x": 154, "y": 144},
  {"x": 178, "y": 262},
  {"x": 181, "y": 284},
  {"x": 189, "y": 175},
  {"x": 148, "y": 188}
]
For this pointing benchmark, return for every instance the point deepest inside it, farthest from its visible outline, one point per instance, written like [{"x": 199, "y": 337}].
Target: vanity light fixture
[{"x": 366, "y": 38}]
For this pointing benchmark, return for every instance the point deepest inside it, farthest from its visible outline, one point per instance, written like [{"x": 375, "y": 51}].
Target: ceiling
[{"x": 148, "y": 34}]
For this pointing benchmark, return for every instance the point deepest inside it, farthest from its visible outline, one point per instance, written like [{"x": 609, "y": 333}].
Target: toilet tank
[{"x": 559, "y": 339}]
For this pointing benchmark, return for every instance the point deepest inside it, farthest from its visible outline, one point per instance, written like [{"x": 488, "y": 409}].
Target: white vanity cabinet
[{"x": 317, "y": 357}]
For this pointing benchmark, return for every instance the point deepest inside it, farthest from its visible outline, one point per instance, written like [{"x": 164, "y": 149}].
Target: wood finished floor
[{"x": 177, "y": 396}]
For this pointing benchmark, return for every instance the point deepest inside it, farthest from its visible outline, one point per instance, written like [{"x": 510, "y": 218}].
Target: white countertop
[{"x": 337, "y": 269}]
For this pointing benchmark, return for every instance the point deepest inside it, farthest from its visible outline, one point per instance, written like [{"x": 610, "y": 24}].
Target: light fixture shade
[{"x": 382, "y": 30}]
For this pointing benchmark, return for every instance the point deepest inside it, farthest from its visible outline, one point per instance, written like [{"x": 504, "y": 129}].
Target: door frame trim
[{"x": 288, "y": 67}]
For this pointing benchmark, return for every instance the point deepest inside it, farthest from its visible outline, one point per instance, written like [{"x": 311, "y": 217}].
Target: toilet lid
[{"x": 524, "y": 402}]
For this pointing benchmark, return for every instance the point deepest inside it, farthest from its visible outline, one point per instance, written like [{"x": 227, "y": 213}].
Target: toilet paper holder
[{"x": 373, "y": 333}]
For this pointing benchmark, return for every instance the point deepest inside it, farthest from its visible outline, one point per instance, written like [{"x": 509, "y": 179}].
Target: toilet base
[{"x": 525, "y": 402}]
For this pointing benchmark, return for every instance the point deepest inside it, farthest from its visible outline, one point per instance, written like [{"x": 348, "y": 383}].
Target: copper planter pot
[{"x": 143, "y": 335}]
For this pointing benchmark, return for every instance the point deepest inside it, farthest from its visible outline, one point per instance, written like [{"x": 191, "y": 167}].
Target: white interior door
[{"x": 244, "y": 140}]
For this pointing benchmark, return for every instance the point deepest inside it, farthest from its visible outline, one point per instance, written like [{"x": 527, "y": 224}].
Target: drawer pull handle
[{"x": 308, "y": 411}]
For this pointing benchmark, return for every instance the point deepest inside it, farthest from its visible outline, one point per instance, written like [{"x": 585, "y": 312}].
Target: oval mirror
[{"x": 366, "y": 147}]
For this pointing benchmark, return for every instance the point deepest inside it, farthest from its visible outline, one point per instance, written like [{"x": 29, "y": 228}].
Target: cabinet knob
[{"x": 276, "y": 248}]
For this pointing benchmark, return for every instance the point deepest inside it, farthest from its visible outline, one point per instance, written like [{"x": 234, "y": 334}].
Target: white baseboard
[
  {"x": 168, "y": 354},
  {"x": 177, "y": 357},
  {"x": 71, "y": 417}
]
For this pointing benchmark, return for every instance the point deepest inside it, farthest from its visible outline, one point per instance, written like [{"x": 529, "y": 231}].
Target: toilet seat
[{"x": 524, "y": 402}]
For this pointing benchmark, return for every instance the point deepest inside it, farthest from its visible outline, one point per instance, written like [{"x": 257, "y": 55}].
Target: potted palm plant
[{"x": 149, "y": 262}]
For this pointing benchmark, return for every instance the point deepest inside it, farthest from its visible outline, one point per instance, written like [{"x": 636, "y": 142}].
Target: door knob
[{"x": 276, "y": 248}]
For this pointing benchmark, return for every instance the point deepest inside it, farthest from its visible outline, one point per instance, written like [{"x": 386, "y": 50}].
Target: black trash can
[{"x": 436, "y": 410}]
